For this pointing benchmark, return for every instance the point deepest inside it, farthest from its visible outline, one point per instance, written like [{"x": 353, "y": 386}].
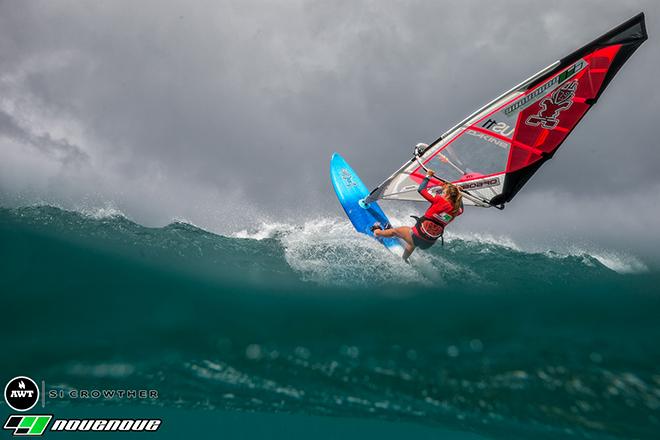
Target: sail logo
[
  {"x": 498, "y": 127},
  {"x": 488, "y": 183},
  {"x": 560, "y": 100},
  {"x": 21, "y": 393},
  {"x": 488, "y": 138},
  {"x": 533, "y": 96}
]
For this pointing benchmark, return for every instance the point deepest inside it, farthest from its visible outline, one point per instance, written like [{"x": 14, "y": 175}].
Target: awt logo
[{"x": 21, "y": 393}]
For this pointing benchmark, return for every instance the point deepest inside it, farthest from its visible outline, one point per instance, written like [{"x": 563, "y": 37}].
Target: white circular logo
[{"x": 21, "y": 393}]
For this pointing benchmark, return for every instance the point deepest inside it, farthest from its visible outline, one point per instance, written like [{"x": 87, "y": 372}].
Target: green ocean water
[{"x": 311, "y": 320}]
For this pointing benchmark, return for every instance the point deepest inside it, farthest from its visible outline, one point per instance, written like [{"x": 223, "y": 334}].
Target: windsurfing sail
[{"x": 493, "y": 152}]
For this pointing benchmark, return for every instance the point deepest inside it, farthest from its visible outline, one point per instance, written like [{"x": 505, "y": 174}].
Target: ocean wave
[
  {"x": 329, "y": 251},
  {"x": 324, "y": 251},
  {"x": 314, "y": 318}
]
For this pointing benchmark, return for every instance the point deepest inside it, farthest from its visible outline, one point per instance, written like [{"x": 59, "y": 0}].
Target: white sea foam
[
  {"x": 619, "y": 262},
  {"x": 328, "y": 251},
  {"x": 101, "y": 212},
  {"x": 486, "y": 239},
  {"x": 265, "y": 230},
  {"x": 185, "y": 221}
]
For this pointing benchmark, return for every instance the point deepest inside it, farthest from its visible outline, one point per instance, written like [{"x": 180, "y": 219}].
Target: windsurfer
[{"x": 444, "y": 209}]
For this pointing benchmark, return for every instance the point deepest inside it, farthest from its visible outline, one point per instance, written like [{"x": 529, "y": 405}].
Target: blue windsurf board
[{"x": 350, "y": 191}]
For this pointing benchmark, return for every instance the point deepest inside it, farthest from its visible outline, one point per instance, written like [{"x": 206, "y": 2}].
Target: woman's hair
[{"x": 455, "y": 197}]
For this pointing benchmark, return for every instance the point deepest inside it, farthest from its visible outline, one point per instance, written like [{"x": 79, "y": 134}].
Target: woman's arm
[{"x": 422, "y": 187}]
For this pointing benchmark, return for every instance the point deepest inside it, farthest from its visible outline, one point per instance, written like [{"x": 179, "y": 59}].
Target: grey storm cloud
[
  {"x": 219, "y": 110},
  {"x": 58, "y": 149}
]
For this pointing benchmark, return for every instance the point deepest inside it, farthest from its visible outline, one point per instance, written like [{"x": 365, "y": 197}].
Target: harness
[
  {"x": 422, "y": 232},
  {"x": 438, "y": 223}
]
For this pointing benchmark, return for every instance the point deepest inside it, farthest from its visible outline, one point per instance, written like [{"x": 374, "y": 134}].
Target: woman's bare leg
[
  {"x": 404, "y": 233},
  {"x": 407, "y": 251}
]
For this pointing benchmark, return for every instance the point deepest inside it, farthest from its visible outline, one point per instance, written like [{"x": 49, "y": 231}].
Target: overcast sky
[{"x": 226, "y": 113}]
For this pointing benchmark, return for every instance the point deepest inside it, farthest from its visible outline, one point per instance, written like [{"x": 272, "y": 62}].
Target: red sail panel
[{"x": 547, "y": 122}]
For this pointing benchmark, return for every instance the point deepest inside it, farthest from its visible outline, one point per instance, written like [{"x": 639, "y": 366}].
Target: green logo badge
[{"x": 28, "y": 425}]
